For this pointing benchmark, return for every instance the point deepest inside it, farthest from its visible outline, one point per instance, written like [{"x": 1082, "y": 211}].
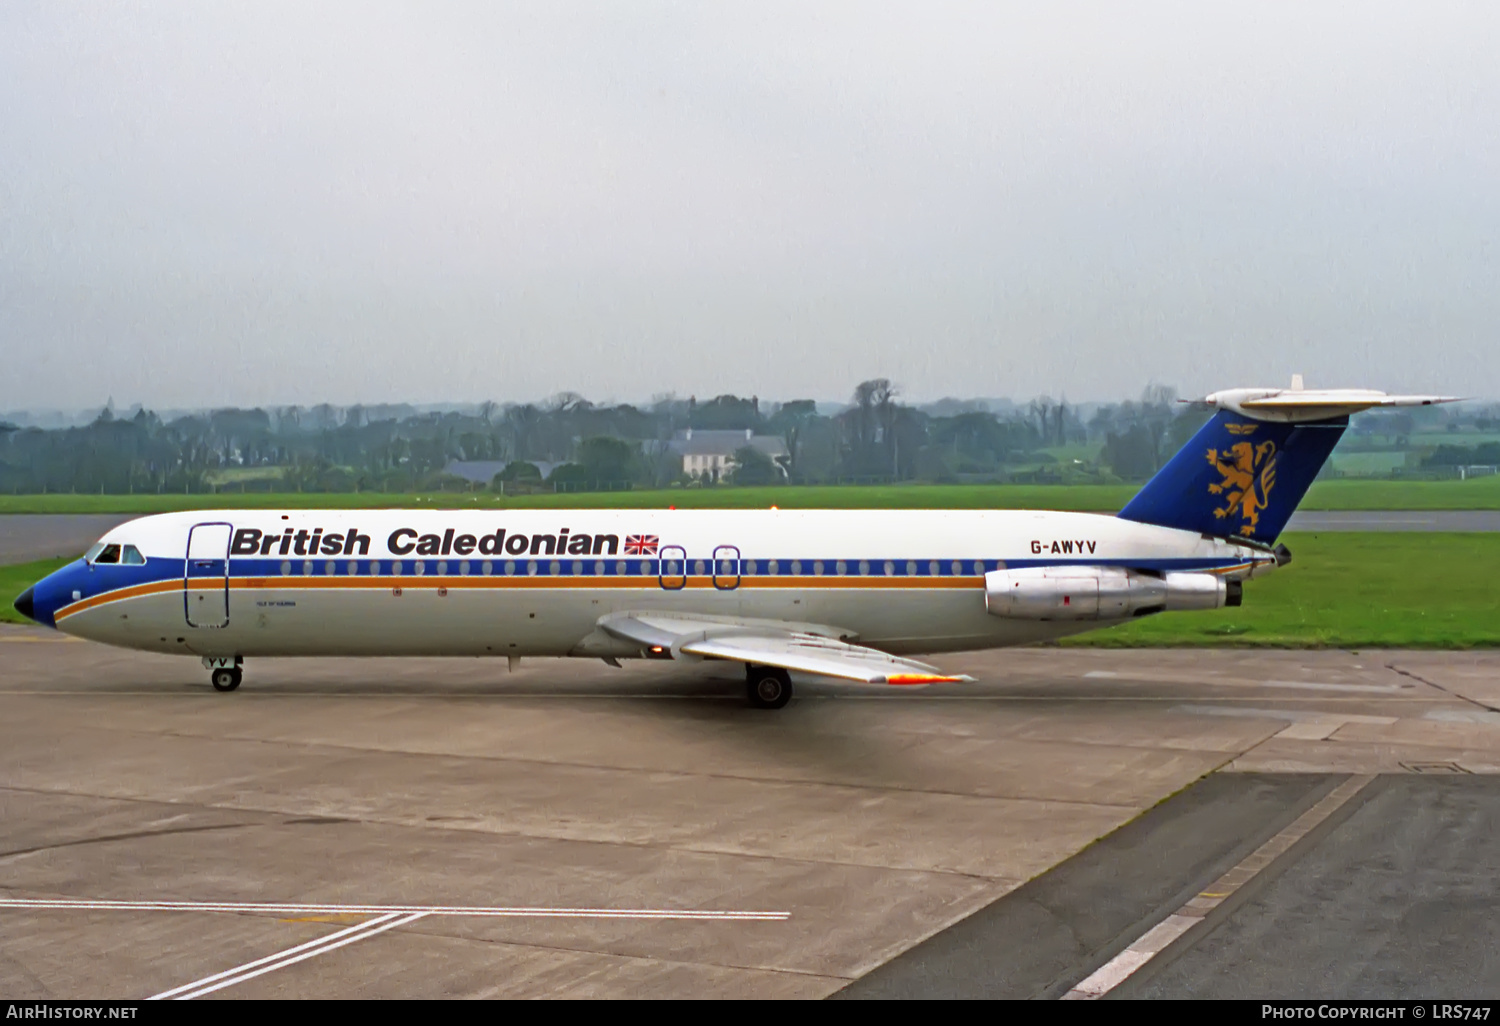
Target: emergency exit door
[{"x": 205, "y": 576}]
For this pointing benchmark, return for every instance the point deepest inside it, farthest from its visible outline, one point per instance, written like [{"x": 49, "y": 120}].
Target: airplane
[{"x": 842, "y": 595}]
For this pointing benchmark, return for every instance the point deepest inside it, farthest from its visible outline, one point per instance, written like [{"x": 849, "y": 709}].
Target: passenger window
[
  {"x": 131, "y": 556},
  {"x": 108, "y": 554}
]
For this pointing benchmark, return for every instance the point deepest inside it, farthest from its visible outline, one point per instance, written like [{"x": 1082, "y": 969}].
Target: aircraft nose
[{"x": 26, "y": 605}]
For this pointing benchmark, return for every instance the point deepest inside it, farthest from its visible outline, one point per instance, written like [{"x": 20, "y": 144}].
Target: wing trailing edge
[{"x": 801, "y": 647}]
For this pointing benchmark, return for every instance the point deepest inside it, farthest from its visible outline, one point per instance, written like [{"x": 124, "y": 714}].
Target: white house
[{"x": 709, "y": 455}]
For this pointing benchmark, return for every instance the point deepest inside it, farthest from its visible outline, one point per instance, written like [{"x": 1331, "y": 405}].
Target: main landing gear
[
  {"x": 767, "y": 687},
  {"x": 224, "y": 674}
]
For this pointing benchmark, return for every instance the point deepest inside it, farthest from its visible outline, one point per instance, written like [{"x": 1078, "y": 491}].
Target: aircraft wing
[{"x": 807, "y": 648}]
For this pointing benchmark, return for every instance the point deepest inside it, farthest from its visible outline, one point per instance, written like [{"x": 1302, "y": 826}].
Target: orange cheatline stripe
[
  {"x": 921, "y": 678},
  {"x": 545, "y": 582},
  {"x": 433, "y": 582},
  {"x": 134, "y": 591}
]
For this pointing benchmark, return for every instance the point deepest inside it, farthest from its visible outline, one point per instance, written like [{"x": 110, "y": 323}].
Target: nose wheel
[
  {"x": 225, "y": 679},
  {"x": 767, "y": 687}
]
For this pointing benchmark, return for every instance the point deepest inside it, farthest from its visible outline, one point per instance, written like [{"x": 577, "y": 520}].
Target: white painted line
[
  {"x": 1484, "y": 717},
  {"x": 1100, "y": 675},
  {"x": 1292, "y": 715},
  {"x": 318, "y": 943},
  {"x": 1151, "y": 943},
  {"x": 1164, "y": 933},
  {"x": 1370, "y": 689},
  {"x": 105, "y": 905},
  {"x": 1109, "y": 975},
  {"x": 384, "y": 926}
]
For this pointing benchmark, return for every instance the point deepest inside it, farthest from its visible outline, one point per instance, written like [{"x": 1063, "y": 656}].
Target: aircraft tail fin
[{"x": 1244, "y": 472}]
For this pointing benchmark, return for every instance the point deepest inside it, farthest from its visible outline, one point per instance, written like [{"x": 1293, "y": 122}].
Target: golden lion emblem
[{"x": 1249, "y": 474}]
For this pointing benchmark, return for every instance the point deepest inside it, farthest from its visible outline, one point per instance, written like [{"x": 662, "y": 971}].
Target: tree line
[{"x": 568, "y": 441}]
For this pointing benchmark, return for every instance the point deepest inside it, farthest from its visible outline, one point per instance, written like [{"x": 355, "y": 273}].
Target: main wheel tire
[
  {"x": 225, "y": 680},
  {"x": 768, "y": 687}
]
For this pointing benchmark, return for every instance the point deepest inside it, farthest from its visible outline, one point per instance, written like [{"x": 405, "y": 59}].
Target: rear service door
[
  {"x": 726, "y": 567},
  {"x": 673, "y": 567},
  {"x": 205, "y": 576}
]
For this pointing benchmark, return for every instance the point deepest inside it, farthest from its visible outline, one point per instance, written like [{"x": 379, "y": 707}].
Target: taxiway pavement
[{"x": 862, "y": 821}]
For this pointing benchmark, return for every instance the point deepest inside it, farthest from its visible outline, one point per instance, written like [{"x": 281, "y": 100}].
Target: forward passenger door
[{"x": 205, "y": 575}]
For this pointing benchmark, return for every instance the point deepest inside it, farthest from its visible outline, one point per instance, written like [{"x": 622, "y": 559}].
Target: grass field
[
  {"x": 16, "y": 578},
  {"x": 1478, "y": 493},
  {"x": 1355, "y": 590},
  {"x": 1368, "y": 464},
  {"x": 1377, "y": 590}
]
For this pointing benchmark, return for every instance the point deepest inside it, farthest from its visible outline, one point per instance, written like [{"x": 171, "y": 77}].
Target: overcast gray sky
[{"x": 208, "y": 204}]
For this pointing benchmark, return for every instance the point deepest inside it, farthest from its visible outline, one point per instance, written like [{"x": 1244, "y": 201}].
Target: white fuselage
[{"x": 476, "y": 583}]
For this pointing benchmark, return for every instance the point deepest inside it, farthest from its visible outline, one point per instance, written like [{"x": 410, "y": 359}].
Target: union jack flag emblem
[{"x": 641, "y": 544}]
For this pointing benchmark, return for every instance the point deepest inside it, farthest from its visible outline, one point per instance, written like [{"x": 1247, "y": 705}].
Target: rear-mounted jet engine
[{"x": 1101, "y": 592}]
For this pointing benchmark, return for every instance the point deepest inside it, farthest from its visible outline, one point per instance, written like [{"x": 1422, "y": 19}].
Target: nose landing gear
[
  {"x": 767, "y": 687},
  {"x": 224, "y": 674}
]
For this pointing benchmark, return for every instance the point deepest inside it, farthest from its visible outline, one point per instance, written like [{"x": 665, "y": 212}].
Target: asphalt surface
[
  {"x": 1396, "y": 520},
  {"x": 27, "y": 536},
  {"x": 868, "y": 819},
  {"x": 1399, "y": 900},
  {"x": 1053, "y": 931}
]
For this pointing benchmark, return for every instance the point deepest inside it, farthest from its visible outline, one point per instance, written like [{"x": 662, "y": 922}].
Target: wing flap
[
  {"x": 824, "y": 656},
  {"x": 803, "y": 647}
]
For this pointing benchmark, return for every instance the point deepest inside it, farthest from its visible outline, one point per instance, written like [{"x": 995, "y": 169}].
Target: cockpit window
[
  {"x": 131, "y": 556},
  {"x": 108, "y": 554}
]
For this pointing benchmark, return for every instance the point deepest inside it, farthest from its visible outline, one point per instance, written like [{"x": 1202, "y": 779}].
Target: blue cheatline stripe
[
  {"x": 104, "y": 580},
  {"x": 648, "y": 568}
]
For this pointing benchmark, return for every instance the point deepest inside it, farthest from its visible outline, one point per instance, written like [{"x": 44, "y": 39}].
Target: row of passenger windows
[{"x": 667, "y": 568}]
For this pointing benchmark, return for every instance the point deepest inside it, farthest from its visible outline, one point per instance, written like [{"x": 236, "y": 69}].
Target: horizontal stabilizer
[{"x": 1299, "y": 405}]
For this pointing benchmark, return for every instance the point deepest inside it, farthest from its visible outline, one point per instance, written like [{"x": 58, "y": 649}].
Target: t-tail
[{"x": 1244, "y": 472}]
